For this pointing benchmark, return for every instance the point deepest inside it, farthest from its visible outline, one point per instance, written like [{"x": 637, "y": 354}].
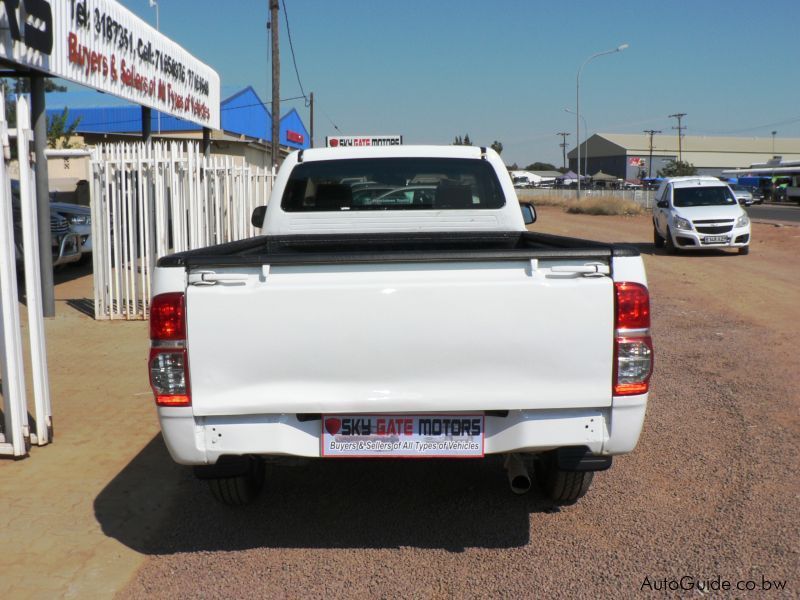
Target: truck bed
[
  {"x": 388, "y": 322},
  {"x": 394, "y": 248}
]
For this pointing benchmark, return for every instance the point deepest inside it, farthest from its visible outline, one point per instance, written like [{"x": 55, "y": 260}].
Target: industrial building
[
  {"x": 245, "y": 134},
  {"x": 628, "y": 155}
]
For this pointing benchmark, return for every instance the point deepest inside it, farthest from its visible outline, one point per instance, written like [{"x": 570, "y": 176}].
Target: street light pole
[
  {"x": 578, "y": 103},
  {"x": 586, "y": 132}
]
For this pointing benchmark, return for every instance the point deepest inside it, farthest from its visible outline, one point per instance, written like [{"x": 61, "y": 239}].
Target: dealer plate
[
  {"x": 403, "y": 436},
  {"x": 715, "y": 239}
]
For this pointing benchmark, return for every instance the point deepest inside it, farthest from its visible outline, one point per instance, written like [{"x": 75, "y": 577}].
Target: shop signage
[
  {"x": 350, "y": 141},
  {"x": 102, "y": 45}
]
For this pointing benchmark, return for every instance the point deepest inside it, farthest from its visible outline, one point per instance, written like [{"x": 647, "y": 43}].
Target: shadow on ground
[
  {"x": 84, "y": 306},
  {"x": 157, "y": 507}
]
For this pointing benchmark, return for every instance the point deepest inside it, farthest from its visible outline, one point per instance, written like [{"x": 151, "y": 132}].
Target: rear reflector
[
  {"x": 634, "y": 365},
  {"x": 168, "y": 317},
  {"x": 169, "y": 376}
]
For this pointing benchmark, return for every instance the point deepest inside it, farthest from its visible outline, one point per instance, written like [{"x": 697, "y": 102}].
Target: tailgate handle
[
  {"x": 592, "y": 269},
  {"x": 211, "y": 278}
]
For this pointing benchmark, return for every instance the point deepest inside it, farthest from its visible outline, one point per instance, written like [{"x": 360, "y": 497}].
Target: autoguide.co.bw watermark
[{"x": 687, "y": 583}]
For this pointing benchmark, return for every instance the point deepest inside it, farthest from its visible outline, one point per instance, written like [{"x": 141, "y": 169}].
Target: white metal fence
[
  {"x": 16, "y": 435},
  {"x": 643, "y": 197},
  {"x": 149, "y": 200}
]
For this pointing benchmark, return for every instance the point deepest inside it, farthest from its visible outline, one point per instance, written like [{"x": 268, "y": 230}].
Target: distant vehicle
[
  {"x": 758, "y": 194},
  {"x": 421, "y": 195},
  {"x": 787, "y": 189},
  {"x": 697, "y": 213},
  {"x": 80, "y": 222},
  {"x": 744, "y": 195},
  {"x": 364, "y": 194},
  {"x": 70, "y": 229}
]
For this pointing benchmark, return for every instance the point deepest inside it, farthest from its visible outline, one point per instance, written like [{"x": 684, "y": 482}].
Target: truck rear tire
[
  {"x": 562, "y": 487},
  {"x": 239, "y": 490}
]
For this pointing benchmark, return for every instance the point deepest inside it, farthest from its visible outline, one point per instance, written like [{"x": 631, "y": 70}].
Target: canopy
[{"x": 600, "y": 176}]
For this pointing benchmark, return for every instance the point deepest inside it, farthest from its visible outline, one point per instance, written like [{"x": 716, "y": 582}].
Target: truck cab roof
[{"x": 393, "y": 189}]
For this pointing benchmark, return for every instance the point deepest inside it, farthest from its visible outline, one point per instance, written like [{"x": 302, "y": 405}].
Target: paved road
[{"x": 774, "y": 212}]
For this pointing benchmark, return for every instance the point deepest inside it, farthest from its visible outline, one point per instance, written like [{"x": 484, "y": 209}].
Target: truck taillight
[
  {"x": 633, "y": 346},
  {"x": 167, "y": 317},
  {"x": 632, "y": 306},
  {"x": 169, "y": 376},
  {"x": 168, "y": 364}
]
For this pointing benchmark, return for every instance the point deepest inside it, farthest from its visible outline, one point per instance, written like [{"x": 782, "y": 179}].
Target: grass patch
[
  {"x": 590, "y": 205},
  {"x": 605, "y": 205}
]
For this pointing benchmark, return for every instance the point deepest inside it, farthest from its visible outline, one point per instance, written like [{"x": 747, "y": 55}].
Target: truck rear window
[{"x": 392, "y": 184}]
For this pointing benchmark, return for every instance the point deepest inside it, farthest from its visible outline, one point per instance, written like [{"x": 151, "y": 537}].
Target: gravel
[{"x": 710, "y": 493}]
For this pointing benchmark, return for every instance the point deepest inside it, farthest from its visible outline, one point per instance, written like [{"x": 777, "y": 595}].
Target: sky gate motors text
[{"x": 436, "y": 426}]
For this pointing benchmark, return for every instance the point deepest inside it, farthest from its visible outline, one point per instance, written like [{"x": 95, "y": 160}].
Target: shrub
[
  {"x": 589, "y": 205},
  {"x": 605, "y": 205}
]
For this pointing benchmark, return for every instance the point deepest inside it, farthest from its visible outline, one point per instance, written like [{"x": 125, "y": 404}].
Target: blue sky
[{"x": 505, "y": 70}]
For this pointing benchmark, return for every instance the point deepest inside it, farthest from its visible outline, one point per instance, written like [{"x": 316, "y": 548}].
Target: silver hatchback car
[{"x": 744, "y": 195}]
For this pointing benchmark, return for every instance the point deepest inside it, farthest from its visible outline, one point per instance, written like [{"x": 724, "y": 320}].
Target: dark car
[{"x": 66, "y": 243}]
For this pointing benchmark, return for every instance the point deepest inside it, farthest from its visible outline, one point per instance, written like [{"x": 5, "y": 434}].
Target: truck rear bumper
[{"x": 203, "y": 440}]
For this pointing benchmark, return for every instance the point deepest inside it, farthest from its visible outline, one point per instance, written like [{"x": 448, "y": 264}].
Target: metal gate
[
  {"x": 150, "y": 200},
  {"x": 16, "y": 436}
]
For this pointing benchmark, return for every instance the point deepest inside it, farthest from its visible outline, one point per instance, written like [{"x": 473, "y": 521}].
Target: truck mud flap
[{"x": 580, "y": 459}]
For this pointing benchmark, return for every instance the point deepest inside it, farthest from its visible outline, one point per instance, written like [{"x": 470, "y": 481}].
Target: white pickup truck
[{"x": 397, "y": 307}]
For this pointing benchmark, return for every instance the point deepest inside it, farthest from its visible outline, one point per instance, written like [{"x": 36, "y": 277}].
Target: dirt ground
[{"x": 712, "y": 491}]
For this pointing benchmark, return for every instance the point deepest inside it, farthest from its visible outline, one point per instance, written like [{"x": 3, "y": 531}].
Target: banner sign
[
  {"x": 293, "y": 136},
  {"x": 636, "y": 161},
  {"x": 351, "y": 141},
  {"x": 403, "y": 436},
  {"x": 102, "y": 45}
]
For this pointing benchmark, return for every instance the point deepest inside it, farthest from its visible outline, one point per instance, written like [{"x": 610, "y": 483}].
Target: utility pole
[
  {"x": 276, "y": 82},
  {"x": 774, "y": 133},
  {"x": 680, "y": 129},
  {"x": 311, "y": 110},
  {"x": 39, "y": 124},
  {"x": 651, "y": 133},
  {"x": 563, "y": 145}
]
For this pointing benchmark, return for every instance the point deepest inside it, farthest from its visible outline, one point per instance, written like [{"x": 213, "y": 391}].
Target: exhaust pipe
[{"x": 518, "y": 477}]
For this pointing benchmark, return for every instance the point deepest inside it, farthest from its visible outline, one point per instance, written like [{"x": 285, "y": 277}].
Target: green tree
[
  {"x": 458, "y": 141},
  {"x": 678, "y": 168},
  {"x": 59, "y": 131},
  {"x": 540, "y": 166},
  {"x": 467, "y": 141},
  {"x": 22, "y": 85},
  {"x": 497, "y": 146}
]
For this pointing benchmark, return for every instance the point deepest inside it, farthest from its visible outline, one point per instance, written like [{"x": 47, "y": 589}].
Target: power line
[
  {"x": 336, "y": 127},
  {"x": 291, "y": 47},
  {"x": 755, "y": 128}
]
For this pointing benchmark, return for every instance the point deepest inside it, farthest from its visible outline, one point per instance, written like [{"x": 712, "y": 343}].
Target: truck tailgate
[{"x": 415, "y": 337}]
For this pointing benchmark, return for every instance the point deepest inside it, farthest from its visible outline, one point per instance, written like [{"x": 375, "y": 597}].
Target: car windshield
[
  {"x": 717, "y": 195},
  {"x": 739, "y": 188},
  {"x": 392, "y": 183}
]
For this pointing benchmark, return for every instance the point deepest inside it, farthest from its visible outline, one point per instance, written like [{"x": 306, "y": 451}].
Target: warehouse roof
[
  {"x": 612, "y": 144},
  {"x": 243, "y": 113}
]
